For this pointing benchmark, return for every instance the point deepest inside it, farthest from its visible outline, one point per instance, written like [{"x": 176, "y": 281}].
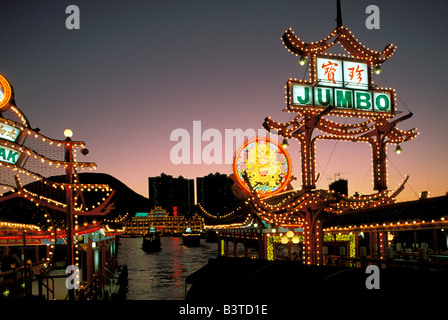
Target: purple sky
[{"x": 137, "y": 70}]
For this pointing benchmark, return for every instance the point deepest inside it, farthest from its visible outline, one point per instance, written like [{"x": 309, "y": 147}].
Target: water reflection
[{"x": 161, "y": 275}]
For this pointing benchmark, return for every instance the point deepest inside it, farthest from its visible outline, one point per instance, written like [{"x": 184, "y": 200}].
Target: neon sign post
[
  {"x": 338, "y": 86},
  {"x": 341, "y": 86}
]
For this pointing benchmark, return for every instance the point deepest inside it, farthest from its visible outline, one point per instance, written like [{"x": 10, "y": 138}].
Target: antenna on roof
[{"x": 339, "y": 14}]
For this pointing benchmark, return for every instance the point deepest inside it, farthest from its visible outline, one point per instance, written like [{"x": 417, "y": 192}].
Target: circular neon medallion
[
  {"x": 265, "y": 163},
  {"x": 5, "y": 94}
]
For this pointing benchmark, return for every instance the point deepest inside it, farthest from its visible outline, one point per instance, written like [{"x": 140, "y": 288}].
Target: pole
[
  {"x": 23, "y": 257},
  {"x": 69, "y": 202},
  {"x": 338, "y": 14}
]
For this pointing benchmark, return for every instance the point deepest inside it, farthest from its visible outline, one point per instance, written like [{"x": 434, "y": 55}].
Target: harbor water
[{"x": 161, "y": 275}]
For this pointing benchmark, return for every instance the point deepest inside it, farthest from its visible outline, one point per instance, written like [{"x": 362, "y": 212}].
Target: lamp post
[{"x": 69, "y": 201}]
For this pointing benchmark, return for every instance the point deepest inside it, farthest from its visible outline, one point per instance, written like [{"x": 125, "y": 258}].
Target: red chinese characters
[
  {"x": 358, "y": 72},
  {"x": 329, "y": 70}
]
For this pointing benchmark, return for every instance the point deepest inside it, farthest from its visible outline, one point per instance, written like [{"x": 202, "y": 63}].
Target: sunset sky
[{"x": 137, "y": 70}]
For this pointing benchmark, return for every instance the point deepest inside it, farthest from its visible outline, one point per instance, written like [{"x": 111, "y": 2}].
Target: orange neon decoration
[
  {"x": 5, "y": 94},
  {"x": 265, "y": 164}
]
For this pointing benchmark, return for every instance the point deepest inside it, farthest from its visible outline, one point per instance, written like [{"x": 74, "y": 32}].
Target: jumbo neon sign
[
  {"x": 346, "y": 99},
  {"x": 343, "y": 84}
]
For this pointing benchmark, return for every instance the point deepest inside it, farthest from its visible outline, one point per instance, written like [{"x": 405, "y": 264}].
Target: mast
[{"x": 338, "y": 14}]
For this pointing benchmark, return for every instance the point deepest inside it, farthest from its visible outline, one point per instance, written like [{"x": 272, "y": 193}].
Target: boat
[
  {"x": 151, "y": 240},
  {"x": 191, "y": 238}
]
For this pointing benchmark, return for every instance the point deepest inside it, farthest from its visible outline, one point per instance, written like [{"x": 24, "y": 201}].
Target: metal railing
[
  {"x": 17, "y": 282},
  {"x": 95, "y": 289},
  {"x": 361, "y": 262},
  {"x": 45, "y": 285}
]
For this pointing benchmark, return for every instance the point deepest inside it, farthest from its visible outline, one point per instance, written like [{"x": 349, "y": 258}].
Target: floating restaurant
[{"x": 163, "y": 223}]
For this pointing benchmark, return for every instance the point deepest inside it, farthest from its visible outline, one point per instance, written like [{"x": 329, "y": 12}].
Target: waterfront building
[{"x": 167, "y": 192}]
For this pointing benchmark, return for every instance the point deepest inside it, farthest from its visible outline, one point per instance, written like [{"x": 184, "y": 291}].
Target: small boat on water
[
  {"x": 151, "y": 240},
  {"x": 191, "y": 238}
]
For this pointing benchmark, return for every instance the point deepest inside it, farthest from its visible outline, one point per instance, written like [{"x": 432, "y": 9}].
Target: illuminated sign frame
[
  {"x": 341, "y": 98},
  {"x": 343, "y": 83}
]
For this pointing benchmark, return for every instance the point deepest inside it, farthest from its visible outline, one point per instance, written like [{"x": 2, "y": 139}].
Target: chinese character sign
[
  {"x": 8, "y": 132},
  {"x": 342, "y": 73},
  {"x": 356, "y": 75},
  {"x": 329, "y": 72}
]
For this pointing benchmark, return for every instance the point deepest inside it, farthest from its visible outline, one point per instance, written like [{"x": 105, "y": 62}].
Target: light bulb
[
  {"x": 68, "y": 133},
  {"x": 302, "y": 60}
]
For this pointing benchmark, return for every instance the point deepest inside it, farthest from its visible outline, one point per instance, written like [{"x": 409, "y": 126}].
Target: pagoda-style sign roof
[{"x": 340, "y": 35}]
